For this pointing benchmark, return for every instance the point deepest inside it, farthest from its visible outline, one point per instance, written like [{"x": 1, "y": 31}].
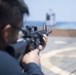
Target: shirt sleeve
[
  {"x": 9, "y": 66},
  {"x": 33, "y": 69}
]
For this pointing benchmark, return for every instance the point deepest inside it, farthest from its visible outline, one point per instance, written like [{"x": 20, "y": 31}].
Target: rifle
[{"x": 31, "y": 39}]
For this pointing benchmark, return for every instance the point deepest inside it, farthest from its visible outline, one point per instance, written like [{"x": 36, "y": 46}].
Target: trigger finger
[{"x": 45, "y": 37}]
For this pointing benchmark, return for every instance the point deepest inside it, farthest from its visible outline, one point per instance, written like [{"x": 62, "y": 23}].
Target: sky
[{"x": 65, "y": 10}]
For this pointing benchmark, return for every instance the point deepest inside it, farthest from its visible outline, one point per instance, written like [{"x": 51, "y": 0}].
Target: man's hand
[
  {"x": 32, "y": 57},
  {"x": 41, "y": 47}
]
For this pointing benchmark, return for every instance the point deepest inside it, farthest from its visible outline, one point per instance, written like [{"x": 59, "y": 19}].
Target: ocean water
[{"x": 59, "y": 25}]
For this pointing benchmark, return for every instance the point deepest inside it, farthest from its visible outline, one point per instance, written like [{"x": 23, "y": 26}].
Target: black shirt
[{"x": 9, "y": 66}]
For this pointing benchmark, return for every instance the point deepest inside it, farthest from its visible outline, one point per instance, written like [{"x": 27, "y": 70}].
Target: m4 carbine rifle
[{"x": 31, "y": 39}]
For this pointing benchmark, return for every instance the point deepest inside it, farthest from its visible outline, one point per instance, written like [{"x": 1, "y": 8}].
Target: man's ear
[{"x": 6, "y": 31}]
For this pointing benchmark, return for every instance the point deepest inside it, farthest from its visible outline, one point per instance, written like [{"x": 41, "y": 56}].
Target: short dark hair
[{"x": 12, "y": 11}]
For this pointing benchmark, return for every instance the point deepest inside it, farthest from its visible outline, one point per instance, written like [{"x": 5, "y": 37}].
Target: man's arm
[{"x": 9, "y": 66}]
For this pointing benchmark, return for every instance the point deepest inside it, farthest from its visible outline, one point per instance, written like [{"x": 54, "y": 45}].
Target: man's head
[{"x": 11, "y": 13}]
